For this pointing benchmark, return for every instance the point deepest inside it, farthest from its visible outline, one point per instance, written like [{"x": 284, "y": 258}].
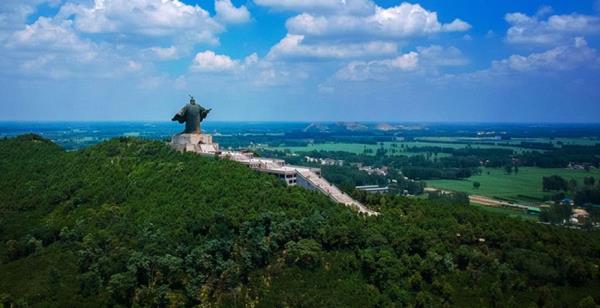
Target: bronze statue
[{"x": 192, "y": 114}]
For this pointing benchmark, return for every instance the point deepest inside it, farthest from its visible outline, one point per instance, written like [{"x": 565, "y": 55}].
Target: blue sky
[{"x": 301, "y": 60}]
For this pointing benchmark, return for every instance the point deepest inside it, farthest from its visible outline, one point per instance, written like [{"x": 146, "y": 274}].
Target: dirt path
[{"x": 493, "y": 202}]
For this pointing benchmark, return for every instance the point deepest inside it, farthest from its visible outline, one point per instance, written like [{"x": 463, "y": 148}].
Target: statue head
[{"x": 192, "y": 100}]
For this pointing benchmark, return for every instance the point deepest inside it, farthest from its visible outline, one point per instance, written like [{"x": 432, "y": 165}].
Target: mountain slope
[{"x": 130, "y": 222}]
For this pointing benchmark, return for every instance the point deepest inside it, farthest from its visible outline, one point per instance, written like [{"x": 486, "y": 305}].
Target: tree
[
  {"x": 508, "y": 169},
  {"x": 587, "y": 302},
  {"x": 572, "y": 185},
  {"x": 554, "y": 182},
  {"x": 589, "y": 181},
  {"x": 476, "y": 185},
  {"x": 557, "y": 213},
  {"x": 305, "y": 252},
  {"x": 121, "y": 287}
]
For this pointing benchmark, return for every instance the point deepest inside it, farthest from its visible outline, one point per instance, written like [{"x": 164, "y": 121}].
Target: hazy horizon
[{"x": 303, "y": 122}]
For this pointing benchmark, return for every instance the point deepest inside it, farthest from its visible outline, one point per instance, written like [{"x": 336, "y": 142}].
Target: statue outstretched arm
[
  {"x": 204, "y": 113},
  {"x": 180, "y": 116}
]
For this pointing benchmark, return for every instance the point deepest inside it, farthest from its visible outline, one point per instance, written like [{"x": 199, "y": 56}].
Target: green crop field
[
  {"x": 528, "y": 182},
  {"x": 524, "y": 187},
  {"x": 506, "y": 211},
  {"x": 359, "y": 148}
]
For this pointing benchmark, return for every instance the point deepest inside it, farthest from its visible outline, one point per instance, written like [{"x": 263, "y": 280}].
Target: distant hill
[
  {"x": 386, "y": 127},
  {"x": 335, "y": 127},
  {"x": 130, "y": 222}
]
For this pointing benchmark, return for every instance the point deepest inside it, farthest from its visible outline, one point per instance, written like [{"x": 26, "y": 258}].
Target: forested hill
[{"x": 130, "y": 222}]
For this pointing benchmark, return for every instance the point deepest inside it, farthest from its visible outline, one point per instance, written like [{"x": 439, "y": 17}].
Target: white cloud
[
  {"x": 228, "y": 13},
  {"x": 251, "y": 59},
  {"x": 101, "y": 38},
  {"x": 405, "y": 62},
  {"x": 338, "y": 6},
  {"x": 400, "y": 21},
  {"x": 292, "y": 46},
  {"x": 52, "y": 48},
  {"x": 52, "y": 36},
  {"x": 556, "y": 29},
  {"x": 151, "y": 18},
  {"x": 378, "y": 69},
  {"x": 562, "y": 58},
  {"x": 424, "y": 60},
  {"x": 271, "y": 77},
  {"x": 14, "y": 13},
  {"x": 456, "y": 25},
  {"x": 436, "y": 55},
  {"x": 47, "y": 33},
  {"x": 163, "y": 53},
  {"x": 208, "y": 61}
]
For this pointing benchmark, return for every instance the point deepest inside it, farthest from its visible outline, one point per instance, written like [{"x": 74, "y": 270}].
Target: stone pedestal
[{"x": 198, "y": 143}]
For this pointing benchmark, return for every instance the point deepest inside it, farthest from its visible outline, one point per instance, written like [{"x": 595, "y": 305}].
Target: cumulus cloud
[
  {"x": 424, "y": 59},
  {"x": 49, "y": 34},
  {"x": 350, "y": 33},
  {"x": 105, "y": 37},
  {"x": 228, "y": 13},
  {"x": 210, "y": 62},
  {"x": 400, "y": 21},
  {"x": 293, "y": 46},
  {"x": 555, "y": 29},
  {"x": 149, "y": 18},
  {"x": 51, "y": 47},
  {"x": 14, "y": 14},
  {"x": 48, "y": 47},
  {"x": 562, "y": 58}
]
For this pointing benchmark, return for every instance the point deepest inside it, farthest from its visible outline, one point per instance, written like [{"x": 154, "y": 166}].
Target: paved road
[{"x": 333, "y": 192}]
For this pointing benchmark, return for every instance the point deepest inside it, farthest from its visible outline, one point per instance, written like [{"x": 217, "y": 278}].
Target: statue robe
[{"x": 192, "y": 115}]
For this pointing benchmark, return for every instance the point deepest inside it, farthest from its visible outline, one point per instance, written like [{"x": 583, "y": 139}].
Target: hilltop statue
[{"x": 192, "y": 114}]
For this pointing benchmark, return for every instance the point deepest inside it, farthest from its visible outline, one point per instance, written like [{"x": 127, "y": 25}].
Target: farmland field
[
  {"x": 514, "y": 141},
  {"x": 518, "y": 213},
  {"x": 528, "y": 182},
  {"x": 358, "y": 148}
]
